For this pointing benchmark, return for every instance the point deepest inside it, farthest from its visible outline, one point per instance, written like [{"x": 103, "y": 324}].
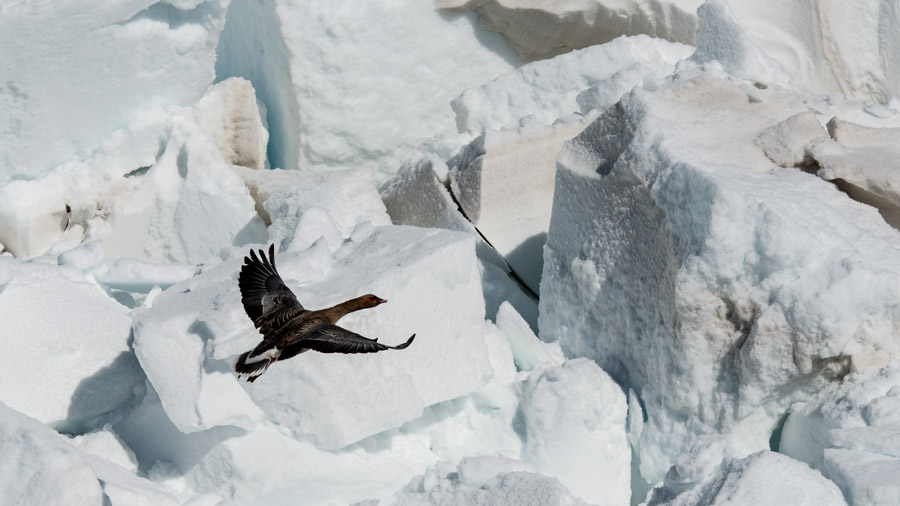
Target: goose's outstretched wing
[
  {"x": 334, "y": 339},
  {"x": 265, "y": 297}
]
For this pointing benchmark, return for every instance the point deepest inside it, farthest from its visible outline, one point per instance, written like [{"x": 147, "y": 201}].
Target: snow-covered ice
[{"x": 715, "y": 282}]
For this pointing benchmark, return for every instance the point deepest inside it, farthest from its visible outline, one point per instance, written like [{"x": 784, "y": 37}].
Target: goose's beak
[{"x": 382, "y": 301}]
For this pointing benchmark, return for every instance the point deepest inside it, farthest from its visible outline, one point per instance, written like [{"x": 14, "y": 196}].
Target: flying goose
[{"x": 288, "y": 328}]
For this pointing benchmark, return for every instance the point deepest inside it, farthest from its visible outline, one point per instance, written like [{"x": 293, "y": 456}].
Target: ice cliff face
[{"x": 659, "y": 268}]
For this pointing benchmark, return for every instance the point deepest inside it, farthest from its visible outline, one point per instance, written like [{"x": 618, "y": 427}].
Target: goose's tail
[{"x": 252, "y": 364}]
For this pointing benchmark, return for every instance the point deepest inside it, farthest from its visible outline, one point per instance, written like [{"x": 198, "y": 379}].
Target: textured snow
[
  {"x": 712, "y": 282},
  {"x": 851, "y": 433},
  {"x": 75, "y": 73},
  {"x": 66, "y": 340},
  {"x": 344, "y": 84}
]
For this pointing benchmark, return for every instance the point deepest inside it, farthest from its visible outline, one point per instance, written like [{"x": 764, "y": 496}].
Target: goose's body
[{"x": 288, "y": 328}]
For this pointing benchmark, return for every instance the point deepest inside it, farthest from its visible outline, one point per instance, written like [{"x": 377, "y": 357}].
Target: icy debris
[
  {"x": 356, "y": 73},
  {"x": 542, "y": 29},
  {"x": 865, "y": 163},
  {"x": 187, "y": 208},
  {"x": 718, "y": 286},
  {"x": 40, "y": 467},
  {"x": 301, "y": 208},
  {"x": 69, "y": 361},
  {"x": 787, "y": 142},
  {"x": 528, "y": 350},
  {"x": 761, "y": 479},
  {"x": 851, "y": 433},
  {"x": 574, "y": 417},
  {"x": 75, "y": 78},
  {"x": 229, "y": 114},
  {"x": 537, "y": 90},
  {"x": 187, "y": 340}
]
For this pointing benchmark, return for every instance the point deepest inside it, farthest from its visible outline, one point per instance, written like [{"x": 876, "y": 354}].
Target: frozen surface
[
  {"x": 541, "y": 29},
  {"x": 301, "y": 208},
  {"x": 851, "y": 433},
  {"x": 187, "y": 340},
  {"x": 717, "y": 285},
  {"x": 67, "y": 346},
  {"x": 761, "y": 479},
  {"x": 71, "y": 76},
  {"x": 356, "y": 84},
  {"x": 574, "y": 417}
]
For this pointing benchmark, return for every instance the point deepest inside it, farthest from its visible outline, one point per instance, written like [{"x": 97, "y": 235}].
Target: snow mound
[
  {"x": 343, "y": 83},
  {"x": 574, "y": 417},
  {"x": 301, "y": 208},
  {"x": 88, "y": 50},
  {"x": 39, "y": 467},
  {"x": 229, "y": 114},
  {"x": 762, "y": 479},
  {"x": 718, "y": 286},
  {"x": 188, "y": 338},
  {"x": 541, "y": 29},
  {"x": 788, "y": 143},
  {"x": 851, "y": 433},
  {"x": 69, "y": 360}
]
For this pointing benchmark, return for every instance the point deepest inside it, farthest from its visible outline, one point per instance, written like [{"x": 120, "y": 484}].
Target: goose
[{"x": 288, "y": 328}]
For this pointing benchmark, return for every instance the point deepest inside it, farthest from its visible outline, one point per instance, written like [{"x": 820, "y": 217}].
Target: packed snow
[{"x": 648, "y": 250}]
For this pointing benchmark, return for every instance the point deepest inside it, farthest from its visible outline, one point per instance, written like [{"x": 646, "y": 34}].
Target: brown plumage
[{"x": 288, "y": 328}]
